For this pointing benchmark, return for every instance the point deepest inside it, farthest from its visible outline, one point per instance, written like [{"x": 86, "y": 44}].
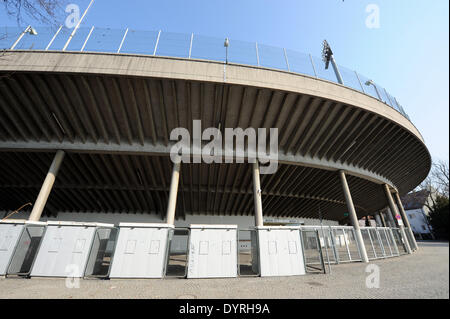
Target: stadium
[{"x": 85, "y": 142}]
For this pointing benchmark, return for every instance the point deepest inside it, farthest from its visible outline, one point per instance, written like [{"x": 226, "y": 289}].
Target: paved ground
[{"x": 425, "y": 274}]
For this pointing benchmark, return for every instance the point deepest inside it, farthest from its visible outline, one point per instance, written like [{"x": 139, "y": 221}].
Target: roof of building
[{"x": 415, "y": 200}]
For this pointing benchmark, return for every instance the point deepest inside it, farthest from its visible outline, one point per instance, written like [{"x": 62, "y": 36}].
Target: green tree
[{"x": 438, "y": 217}]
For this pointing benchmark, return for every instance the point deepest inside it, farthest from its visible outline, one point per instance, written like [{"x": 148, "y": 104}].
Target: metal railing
[
  {"x": 191, "y": 46},
  {"x": 380, "y": 242}
]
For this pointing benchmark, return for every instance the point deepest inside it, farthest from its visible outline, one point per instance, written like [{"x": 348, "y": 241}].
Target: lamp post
[
  {"x": 370, "y": 82},
  {"x": 29, "y": 30}
]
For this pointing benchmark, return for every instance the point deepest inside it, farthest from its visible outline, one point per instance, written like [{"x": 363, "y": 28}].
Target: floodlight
[
  {"x": 326, "y": 53},
  {"x": 29, "y": 30},
  {"x": 32, "y": 31},
  {"x": 226, "y": 44}
]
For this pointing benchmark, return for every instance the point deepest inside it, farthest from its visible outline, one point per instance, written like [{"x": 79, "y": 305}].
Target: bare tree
[
  {"x": 434, "y": 186},
  {"x": 440, "y": 178},
  {"x": 43, "y": 11},
  {"x": 48, "y": 12}
]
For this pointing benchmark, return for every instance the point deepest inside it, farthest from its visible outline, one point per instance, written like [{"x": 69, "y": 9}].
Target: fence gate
[
  {"x": 178, "y": 253},
  {"x": 102, "y": 253},
  {"x": 397, "y": 235},
  {"x": 26, "y": 249},
  {"x": 312, "y": 251},
  {"x": 410, "y": 239},
  {"x": 327, "y": 243},
  {"x": 346, "y": 246},
  {"x": 248, "y": 253}
]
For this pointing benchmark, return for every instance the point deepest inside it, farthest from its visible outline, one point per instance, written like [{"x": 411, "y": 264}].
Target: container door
[
  {"x": 281, "y": 253},
  {"x": 140, "y": 253},
  {"x": 64, "y": 251},
  {"x": 212, "y": 253},
  {"x": 26, "y": 250},
  {"x": 9, "y": 236}
]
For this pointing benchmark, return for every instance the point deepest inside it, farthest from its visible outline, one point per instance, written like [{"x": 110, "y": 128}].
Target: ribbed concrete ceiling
[{"x": 126, "y": 113}]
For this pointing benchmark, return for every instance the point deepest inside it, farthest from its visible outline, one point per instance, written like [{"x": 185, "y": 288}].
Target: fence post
[
  {"x": 357, "y": 76},
  {"x": 257, "y": 53},
  {"x": 286, "y": 58},
  {"x": 53, "y": 39},
  {"x": 157, "y": 41},
  {"x": 87, "y": 38},
  {"x": 312, "y": 63},
  {"x": 190, "y": 45},
  {"x": 123, "y": 39}
]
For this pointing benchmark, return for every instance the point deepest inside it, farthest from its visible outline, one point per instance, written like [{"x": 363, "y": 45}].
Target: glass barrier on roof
[{"x": 190, "y": 46}]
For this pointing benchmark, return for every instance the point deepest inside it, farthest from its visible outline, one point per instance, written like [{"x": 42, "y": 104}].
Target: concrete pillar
[
  {"x": 173, "y": 193},
  {"x": 46, "y": 187},
  {"x": 383, "y": 221},
  {"x": 353, "y": 217},
  {"x": 378, "y": 220},
  {"x": 405, "y": 219},
  {"x": 257, "y": 195},
  {"x": 390, "y": 218},
  {"x": 394, "y": 211}
]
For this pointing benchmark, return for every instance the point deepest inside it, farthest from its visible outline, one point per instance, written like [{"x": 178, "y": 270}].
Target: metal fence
[
  {"x": 410, "y": 238},
  {"x": 339, "y": 243},
  {"x": 321, "y": 245},
  {"x": 191, "y": 46},
  {"x": 313, "y": 251}
]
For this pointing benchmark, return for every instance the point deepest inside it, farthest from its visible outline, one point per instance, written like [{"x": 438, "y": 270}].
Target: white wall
[
  {"x": 243, "y": 222},
  {"x": 418, "y": 222}
]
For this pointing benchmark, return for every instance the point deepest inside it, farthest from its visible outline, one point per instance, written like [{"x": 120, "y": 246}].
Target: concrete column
[
  {"x": 378, "y": 220},
  {"x": 46, "y": 187},
  {"x": 391, "y": 222},
  {"x": 172, "y": 205},
  {"x": 383, "y": 221},
  {"x": 257, "y": 195},
  {"x": 405, "y": 219},
  {"x": 353, "y": 217},
  {"x": 394, "y": 211}
]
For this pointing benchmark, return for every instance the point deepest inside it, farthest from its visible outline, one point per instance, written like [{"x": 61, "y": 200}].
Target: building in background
[{"x": 416, "y": 207}]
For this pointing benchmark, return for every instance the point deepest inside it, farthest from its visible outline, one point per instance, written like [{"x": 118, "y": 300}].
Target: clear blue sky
[{"x": 408, "y": 54}]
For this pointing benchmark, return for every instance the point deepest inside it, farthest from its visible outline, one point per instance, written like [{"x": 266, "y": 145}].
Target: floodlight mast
[{"x": 327, "y": 56}]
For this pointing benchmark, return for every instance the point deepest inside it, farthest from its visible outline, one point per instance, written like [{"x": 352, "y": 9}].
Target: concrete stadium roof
[{"x": 113, "y": 114}]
